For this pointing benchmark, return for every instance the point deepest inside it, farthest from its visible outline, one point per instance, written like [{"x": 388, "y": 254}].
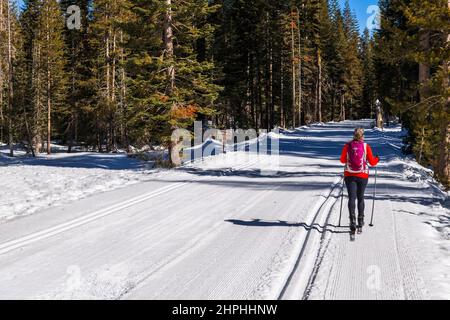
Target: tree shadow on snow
[
  {"x": 258, "y": 173},
  {"x": 258, "y": 185},
  {"x": 85, "y": 161}
]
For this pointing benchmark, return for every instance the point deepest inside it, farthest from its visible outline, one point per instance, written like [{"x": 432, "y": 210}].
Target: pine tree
[
  {"x": 138, "y": 69},
  {"x": 335, "y": 51},
  {"x": 369, "y": 77},
  {"x": 50, "y": 62},
  {"x": 170, "y": 82},
  {"x": 107, "y": 40},
  {"x": 240, "y": 50},
  {"x": 10, "y": 39},
  {"x": 80, "y": 78},
  {"x": 325, "y": 34},
  {"x": 411, "y": 54},
  {"x": 305, "y": 51},
  {"x": 432, "y": 52},
  {"x": 352, "y": 73}
]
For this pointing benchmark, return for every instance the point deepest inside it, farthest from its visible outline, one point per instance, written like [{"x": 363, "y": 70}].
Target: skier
[{"x": 355, "y": 155}]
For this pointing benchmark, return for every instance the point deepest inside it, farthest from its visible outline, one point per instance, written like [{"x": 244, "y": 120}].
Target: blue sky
[
  {"x": 360, "y": 9},
  {"x": 358, "y": 6}
]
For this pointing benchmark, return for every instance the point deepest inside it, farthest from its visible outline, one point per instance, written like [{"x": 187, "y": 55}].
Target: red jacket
[{"x": 373, "y": 161}]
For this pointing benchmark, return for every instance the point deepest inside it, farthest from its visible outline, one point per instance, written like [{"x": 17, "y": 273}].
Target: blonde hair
[{"x": 358, "y": 134}]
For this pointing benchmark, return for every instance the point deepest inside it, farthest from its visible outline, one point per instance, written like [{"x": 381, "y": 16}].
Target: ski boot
[
  {"x": 360, "y": 225},
  {"x": 352, "y": 235}
]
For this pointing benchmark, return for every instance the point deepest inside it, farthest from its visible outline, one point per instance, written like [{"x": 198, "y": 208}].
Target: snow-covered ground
[
  {"x": 233, "y": 226},
  {"x": 29, "y": 185}
]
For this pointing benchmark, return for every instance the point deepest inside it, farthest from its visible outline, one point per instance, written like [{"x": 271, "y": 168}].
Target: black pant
[{"x": 355, "y": 188}]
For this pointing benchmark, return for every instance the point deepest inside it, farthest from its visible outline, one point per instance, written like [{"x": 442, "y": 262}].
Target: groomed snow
[{"x": 232, "y": 226}]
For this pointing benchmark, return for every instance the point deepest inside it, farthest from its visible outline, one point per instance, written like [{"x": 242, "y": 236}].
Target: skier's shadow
[{"x": 280, "y": 223}]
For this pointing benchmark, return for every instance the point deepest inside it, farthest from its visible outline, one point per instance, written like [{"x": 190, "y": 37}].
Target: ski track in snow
[
  {"x": 294, "y": 285},
  {"x": 224, "y": 228}
]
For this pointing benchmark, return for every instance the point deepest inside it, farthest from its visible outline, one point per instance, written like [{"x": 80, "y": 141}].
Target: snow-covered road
[{"x": 225, "y": 229}]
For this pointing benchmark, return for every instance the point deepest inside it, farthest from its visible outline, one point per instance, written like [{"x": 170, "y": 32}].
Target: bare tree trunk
[
  {"x": 10, "y": 83},
  {"x": 269, "y": 77},
  {"x": 422, "y": 142},
  {"x": 107, "y": 126},
  {"x": 300, "y": 92},
  {"x": 319, "y": 85},
  {"x": 282, "y": 112},
  {"x": 342, "y": 103},
  {"x": 2, "y": 29},
  {"x": 49, "y": 89},
  {"x": 107, "y": 57},
  {"x": 27, "y": 127},
  {"x": 294, "y": 93},
  {"x": 112, "y": 142},
  {"x": 72, "y": 99},
  {"x": 123, "y": 93},
  {"x": 251, "y": 88},
  {"x": 113, "y": 70},
  {"x": 36, "y": 85},
  {"x": 98, "y": 129},
  {"x": 316, "y": 100},
  {"x": 424, "y": 68},
  {"x": 168, "y": 44},
  {"x": 270, "y": 99},
  {"x": 2, "y": 119},
  {"x": 444, "y": 158},
  {"x": 259, "y": 94},
  {"x": 333, "y": 102},
  {"x": 250, "y": 101},
  {"x": 49, "y": 108}
]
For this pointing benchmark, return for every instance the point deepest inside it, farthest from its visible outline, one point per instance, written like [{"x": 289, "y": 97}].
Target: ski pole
[
  {"x": 374, "y": 192},
  {"x": 342, "y": 199}
]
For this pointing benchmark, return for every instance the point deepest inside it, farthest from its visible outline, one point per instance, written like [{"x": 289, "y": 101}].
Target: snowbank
[{"x": 29, "y": 185}]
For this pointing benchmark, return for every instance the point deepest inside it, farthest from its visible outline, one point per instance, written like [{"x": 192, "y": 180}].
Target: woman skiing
[{"x": 355, "y": 155}]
